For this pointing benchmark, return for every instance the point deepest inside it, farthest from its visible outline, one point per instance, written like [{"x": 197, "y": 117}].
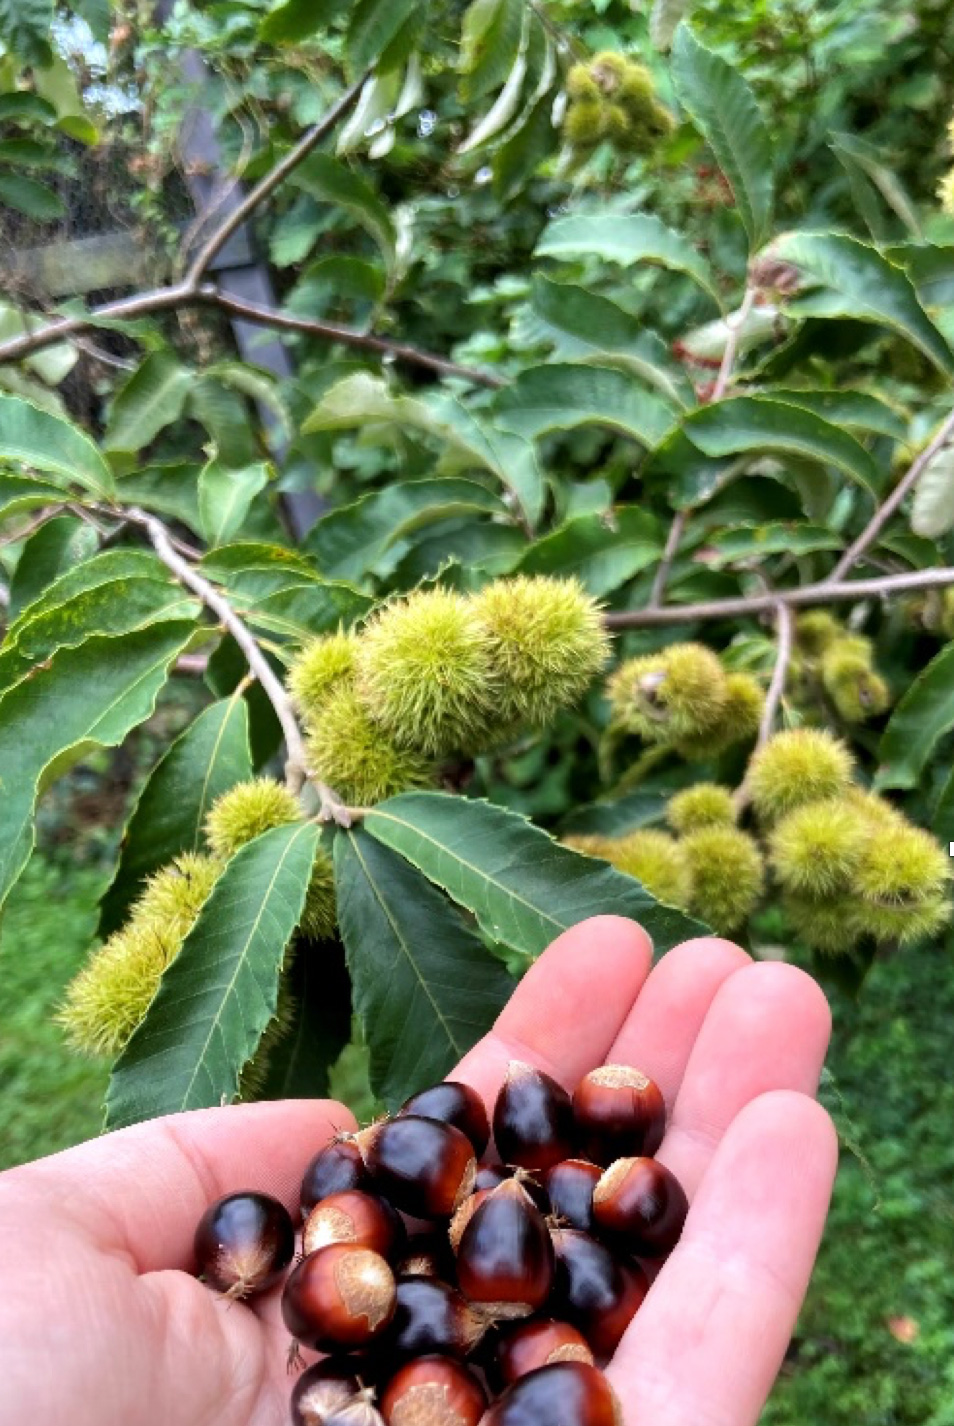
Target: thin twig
[
  {"x": 25, "y": 531},
  {"x": 735, "y": 325},
  {"x": 266, "y": 186},
  {"x": 785, "y": 631},
  {"x": 669, "y": 553},
  {"x": 820, "y": 593},
  {"x": 884, "y": 511}
]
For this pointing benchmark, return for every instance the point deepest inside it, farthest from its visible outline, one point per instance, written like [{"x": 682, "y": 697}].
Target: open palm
[{"x": 101, "y": 1323}]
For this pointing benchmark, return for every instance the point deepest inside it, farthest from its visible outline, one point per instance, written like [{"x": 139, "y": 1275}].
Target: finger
[
  {"x": 569, "y": 1007},
  {"x": 659, "y": 1032},
  {"x": 767, "y": 1028},
  {"x": 708, "y": 1341},
  {"x": 142, "y": 1191}
]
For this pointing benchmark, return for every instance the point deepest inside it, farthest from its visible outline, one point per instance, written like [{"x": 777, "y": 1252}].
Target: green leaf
[
  {"x": 627, "y": 238},
  {"x": 623, "y": 814},
  {"x": 83, "y": 698},
  {"x": 25, "y": 29},
  {"x": 858, "y": 410},
  {"x": 598, "y": 328},
  {"x": 490, "y": 39},
  {"x": 562, "y": 395},
  {"x": 780, "y": 538},
  {"x": 942, "y": 823},
  {"x": 225, "y": 498},
  {"x": 374, "y": 24},
  {"x": 723, "y": 108},
  {"x": 211, "y": 756},
  {"x": 370, "y": 535},
  {"x": 932, "y": 510},
  {"x": 20, "y": 493},
  {"x": 62, "y": 542},
  {"x": 602, "y": 551},
  {"x": 859, "y": 283},
  {"x": 53, "y": 364},
  {"x": 326, "y": 178},
  {"x": 664, "y": 19},
  {"x": 924, "y": 714},
  {"x": 259, "y": 385},
  {"x": 516, "y": 160},
  {"x": 152, "y": 398},
  {"x": 760, "y": 423},
  {"x": 30, "y": 197},
  {"x": 22, "y": 106},
  {"x": 864, "y": 156},
  {"x": 168, "y": 488},
  {"x": 930, "y": 268},
  {"x": 224, "y": 415},
  {"x": 523, "y": 887},
  {"x": 425, "y": 987},
  {"x": 44, "y": 442},
  {"x": 220, "y": 992},
  {"x": 298, "y": 20}
]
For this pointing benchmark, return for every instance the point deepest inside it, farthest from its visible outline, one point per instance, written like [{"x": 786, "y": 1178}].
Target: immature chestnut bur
[
  {"x": 566, "y": 1394},
  {"x": 243, "y": 1243},
  {"x": 505, "y": 1255},
  {"x": 619, "y": 1112},
  {"x": 339, "y": 1297},
  {"x": 357, "y": 1218},
  {"x": 534, "y": 1126},
  {"x": 433, "y": 1391},
  {"x": 425, "y": 1167},
  {"x": 528, "y": 1346},
  {"x": 642, "y": 1204}
]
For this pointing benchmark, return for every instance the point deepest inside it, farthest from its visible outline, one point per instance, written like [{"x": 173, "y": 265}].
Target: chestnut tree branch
[
  {"x": 785, "y": 631},
  {"x": 735, "y": 325},
  {"x": 671, "y": 549},
  {"x": 888, "y": 507}
]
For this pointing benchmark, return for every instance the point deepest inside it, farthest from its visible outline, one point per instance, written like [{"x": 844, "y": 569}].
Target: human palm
[{"x": 101, "y": 1323}]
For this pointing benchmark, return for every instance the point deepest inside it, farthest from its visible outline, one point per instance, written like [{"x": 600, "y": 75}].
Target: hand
[{"x": 101, "y": 1323}]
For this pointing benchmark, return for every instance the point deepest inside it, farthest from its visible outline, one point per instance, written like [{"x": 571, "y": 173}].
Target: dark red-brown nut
[
  {"x": 334, "y": 1169},
  {"x": 505, "y": 1255},
  {"x": 492, "y": 1175},
  {"x": 424, "y": 1167},
  {"x": 619, "y": 1112},
  {"x": 566, "y": 1394},
  {"x": 431, "y": 1316},
  {"x": 339, "y": 1298},
  {"x": 453, "y": 1103},
  {"x": 359, "y": 1412},
  {"x": 641, "y": 1204},
  {"x": 533, "y": 1119},
  {"x": 570, "y": 1186},
  {"x": 593, "y": 1290},
  {"x": 426, "y": 1255},
  {"x": 357, "y": 1218},
  {"x": 243, "y": 1243},
  {"x": 528, "y": 1346},
  {"x": 322, "y": 1390},
  {"x": 433, "y": 1391},
  {"x": 464, "y": 1214}
]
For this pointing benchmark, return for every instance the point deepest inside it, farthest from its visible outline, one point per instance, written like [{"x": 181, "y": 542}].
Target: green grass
[
  {"x": 889, "y": 1249},
  {"x": 50, "y": 1099}
]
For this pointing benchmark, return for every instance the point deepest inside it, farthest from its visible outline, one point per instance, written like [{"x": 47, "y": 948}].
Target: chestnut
[
  {"x": 424, "y": 1166},
  {"x": 454, "y": 1103},
  {"x": 354, "y": 1217},
  {"x": 322, "y": 1389},
  {"x": 243, "y": 1243},
  {"x": 620, "y": 1112},
  {"x": 505, "y": 1254},
  {"x": 426, "y": 1255},
  {"x": 464, "y": 1214},
  {"x": 433, "y": 1391},
  {"x": 490, "y": 1175},
  {"x": 565, "y": 1394},
  {"x": 341, "y": 1296},
  {"x": 534, "y": 1125},
  {"x": 642, "y": 1204},
  {"x": 334, "y": 1169},
  {"x": 357, "y": 1412},
  {"x": 431, "y": 1316},
  {"x": 570, "y": 1186},
  {"x": 527, "y": 1346},
  {"x": 593, "y": 1290}
]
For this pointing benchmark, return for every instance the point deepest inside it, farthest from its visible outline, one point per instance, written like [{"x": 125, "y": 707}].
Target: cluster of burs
[
  {"x": 612, "y": 99},
  {"x": 850, "y": 866}
]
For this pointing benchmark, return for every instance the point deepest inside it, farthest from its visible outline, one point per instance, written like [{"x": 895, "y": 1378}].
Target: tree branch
[
  {"x": 266, "y": 186},
  {"x": 785, "y": 629},
  {"x": 669, "y": 553},
  {"x": 820, "y": 593},
  {"x": 735, "y": 326},
  {"x": 888, "y": 507}
]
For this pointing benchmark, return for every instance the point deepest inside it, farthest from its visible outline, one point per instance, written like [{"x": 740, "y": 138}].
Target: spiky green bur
[
  {"x": 856, "y": 689},
  {"x": 828, "y": 925},
  {"x": 546, "y": 642},
  {"x": 727, "y": 874},
  {"x": 424, "y": 673},
  {"x": 815, "y": 630},
  {"x": 705, "y": 804},
  {"x": 246, "y": 811},
  {"x": 817, "y": 849},
  {"x": 655, "y": 859},
  {"x": 614, "y": 98},
  {"x": 798, "y": 766},
  {"x": 111, "y": 994},
  {"x": 321, "y": 666},
  {"x": 590, "y": 843},
  {"x": 352, "y": 754},
  {"x": 738, "y": 721},
  {"x": 254, "y": 1076},
  {"x": 319, "y": 917},
  {"x": 679, "y": 693},
  {"x": 902, "y": 882}
]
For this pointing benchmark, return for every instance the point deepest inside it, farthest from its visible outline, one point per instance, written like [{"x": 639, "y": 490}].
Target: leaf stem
[{"x": 735, "y": 325}]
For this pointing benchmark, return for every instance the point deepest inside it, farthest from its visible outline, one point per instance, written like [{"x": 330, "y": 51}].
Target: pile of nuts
[{"x": 453, "y": 1293}]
